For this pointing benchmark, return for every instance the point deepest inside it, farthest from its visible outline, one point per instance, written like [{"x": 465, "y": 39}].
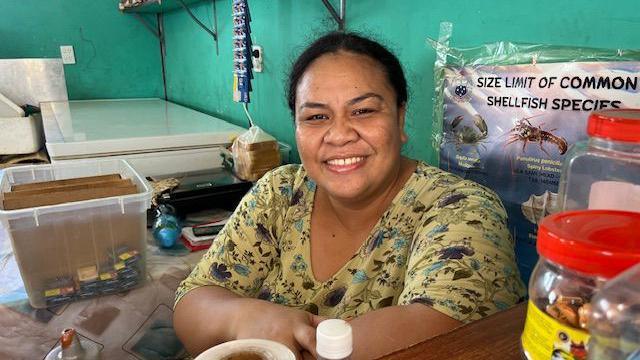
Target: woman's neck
[{"x": 363, "y": 214}]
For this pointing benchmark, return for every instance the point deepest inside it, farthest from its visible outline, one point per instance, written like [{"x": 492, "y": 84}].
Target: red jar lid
[
  {"x": 594, "y": 242},
  {"x": 619, "y": 125}
]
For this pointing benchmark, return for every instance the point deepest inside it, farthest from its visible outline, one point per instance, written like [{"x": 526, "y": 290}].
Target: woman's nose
[{"x": 341, "y": 132}]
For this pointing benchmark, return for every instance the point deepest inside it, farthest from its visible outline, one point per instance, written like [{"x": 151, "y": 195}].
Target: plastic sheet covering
[
  {"x": 505, "y": 115},
  {"x": 505, "y": 53},
  {"x": 32, "y": 81},
  {"x": 254, "y": 153}
]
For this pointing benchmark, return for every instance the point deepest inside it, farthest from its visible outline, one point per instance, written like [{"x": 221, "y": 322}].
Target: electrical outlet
[
  {"x": 68, "y": 57},
  {"x": 256, "y": 58}
]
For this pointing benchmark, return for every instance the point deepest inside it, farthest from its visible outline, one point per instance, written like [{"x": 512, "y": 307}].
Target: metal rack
[
  {"x": 161, "y": 6},
  {"x": 339, "y": 18},
  {"x": 158, "y": 7}
]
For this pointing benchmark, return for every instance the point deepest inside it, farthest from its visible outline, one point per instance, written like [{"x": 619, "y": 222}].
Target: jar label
[{"x": 546, "y": 338}]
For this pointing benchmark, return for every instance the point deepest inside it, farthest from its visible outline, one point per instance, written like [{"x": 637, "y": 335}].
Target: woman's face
[{"x": 349, "y": 129}]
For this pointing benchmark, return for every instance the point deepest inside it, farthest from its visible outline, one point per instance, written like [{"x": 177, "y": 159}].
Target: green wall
[
  {"x": 200, "y": 78},
  {"x": 116, "y": 57}
]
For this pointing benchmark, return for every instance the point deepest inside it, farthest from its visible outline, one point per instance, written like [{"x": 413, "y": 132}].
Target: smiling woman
[
  {"x": 350, "y": 130},
  {"x": 402, "y": 250}
]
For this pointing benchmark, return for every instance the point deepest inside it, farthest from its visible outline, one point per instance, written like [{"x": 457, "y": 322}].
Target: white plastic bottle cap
[{"x": 334, "y": 339}]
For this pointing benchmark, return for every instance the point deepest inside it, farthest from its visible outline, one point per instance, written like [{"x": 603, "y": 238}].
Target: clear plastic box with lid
[{"x": 79, "y": 249}]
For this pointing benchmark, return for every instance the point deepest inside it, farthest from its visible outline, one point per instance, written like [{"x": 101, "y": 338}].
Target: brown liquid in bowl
[{"x": 246, "y": 355}]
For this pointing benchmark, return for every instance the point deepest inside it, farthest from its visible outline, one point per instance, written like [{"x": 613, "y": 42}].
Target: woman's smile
[{"x": 346, "y": 164}]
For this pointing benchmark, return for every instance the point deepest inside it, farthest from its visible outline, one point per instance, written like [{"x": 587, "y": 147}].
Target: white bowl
[{"x": 270, "y": 350}]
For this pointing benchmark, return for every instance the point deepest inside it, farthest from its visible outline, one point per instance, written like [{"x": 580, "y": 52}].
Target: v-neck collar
[{"x": 306, "y": 230}]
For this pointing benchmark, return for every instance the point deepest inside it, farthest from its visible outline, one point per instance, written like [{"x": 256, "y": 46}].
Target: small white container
[
  {"x": 53, "y": 242},
  {"x": 334, "y": 340},
  {"x": 20, "y": 135}
]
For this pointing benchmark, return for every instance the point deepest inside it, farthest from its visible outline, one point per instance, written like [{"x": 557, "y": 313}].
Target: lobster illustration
[{"x": 524, "y": 131}]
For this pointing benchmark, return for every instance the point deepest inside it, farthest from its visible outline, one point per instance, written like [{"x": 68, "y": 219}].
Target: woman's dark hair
[{"x": 350, "y": 42}]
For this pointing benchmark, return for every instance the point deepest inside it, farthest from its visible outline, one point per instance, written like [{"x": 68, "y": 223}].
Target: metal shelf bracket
[
  {"x": 340, "y": 19},
  {"x": 147, "y": 25},
  {"x": 213, "y": 33}
]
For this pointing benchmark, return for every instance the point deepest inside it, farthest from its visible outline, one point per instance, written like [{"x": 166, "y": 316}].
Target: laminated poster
[{"x": 509, "y": 127}]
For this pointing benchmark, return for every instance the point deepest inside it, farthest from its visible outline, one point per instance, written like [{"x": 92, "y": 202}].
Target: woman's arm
[
  {"x": 210, "y": 315},
  {"x": 201, "y": 319},
  {"x": 461, "y": 267},
  {"x": 393, "y": 328},
  {"x": 216, "y": 302}
]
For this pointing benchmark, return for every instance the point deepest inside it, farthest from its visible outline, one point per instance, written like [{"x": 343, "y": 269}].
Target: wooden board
[
  {"x": 68, "y": 190},
  {"x": 57, "y": 183},
  {"x": 70, "y": 187},
  {"x": 55, "y": 198}
]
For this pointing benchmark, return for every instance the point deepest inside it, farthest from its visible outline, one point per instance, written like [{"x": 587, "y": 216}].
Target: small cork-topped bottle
[{"x": 71, "y": 348}]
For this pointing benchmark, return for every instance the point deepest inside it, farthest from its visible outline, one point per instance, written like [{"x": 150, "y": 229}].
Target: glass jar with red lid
[
  {"x": 579, "y": 251},
  {"x": 603, "y": 172}
]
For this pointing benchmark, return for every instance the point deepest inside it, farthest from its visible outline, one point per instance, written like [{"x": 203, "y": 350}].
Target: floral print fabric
[{"x": 443, "y": 242}]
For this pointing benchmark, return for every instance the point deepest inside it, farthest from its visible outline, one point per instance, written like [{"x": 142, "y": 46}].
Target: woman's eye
[
  {"x": 362, "y": 111},
  {"x": 316, "y": 117}
]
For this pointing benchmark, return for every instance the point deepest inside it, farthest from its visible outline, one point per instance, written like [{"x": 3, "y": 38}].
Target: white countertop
[{"x": 125, "y": 126}]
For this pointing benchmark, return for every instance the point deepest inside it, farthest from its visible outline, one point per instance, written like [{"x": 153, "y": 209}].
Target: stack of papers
[{"x": 195, "y": 242}]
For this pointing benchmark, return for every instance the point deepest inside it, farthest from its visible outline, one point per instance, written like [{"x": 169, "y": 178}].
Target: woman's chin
[{"x": 345, "y": 190}]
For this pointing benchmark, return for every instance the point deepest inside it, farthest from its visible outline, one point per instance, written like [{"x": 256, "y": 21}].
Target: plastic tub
[{"x": 79, "y": 249}]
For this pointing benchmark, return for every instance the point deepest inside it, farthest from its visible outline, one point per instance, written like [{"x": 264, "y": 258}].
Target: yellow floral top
[{"x": 442, "y": 242}]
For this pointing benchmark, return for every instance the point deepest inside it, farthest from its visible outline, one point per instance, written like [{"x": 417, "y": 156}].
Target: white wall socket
[
  {"x": 68, "y": 57},
  {"x": 257, "y": 58}
]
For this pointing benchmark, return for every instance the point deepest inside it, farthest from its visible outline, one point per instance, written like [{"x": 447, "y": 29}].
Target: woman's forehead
[
  {"x": 345, "y": 62},
  {"x": 343, "y": 74}
]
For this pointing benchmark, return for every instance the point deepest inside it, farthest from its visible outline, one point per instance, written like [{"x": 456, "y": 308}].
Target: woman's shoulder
[
  {"x": 285, "y": 180},
  {"x": 286, "y": 173},
  {"x": 425, "y": 170},
  {"x": 432, "y": 179}
]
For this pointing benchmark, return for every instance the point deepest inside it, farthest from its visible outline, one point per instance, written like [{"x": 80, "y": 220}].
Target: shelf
[
  {"x": 160, "y": 6},
  {"x": 339, "y": 18}
]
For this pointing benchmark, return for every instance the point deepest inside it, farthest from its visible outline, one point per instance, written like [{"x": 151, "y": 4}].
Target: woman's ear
[{"x": 402, "y": 111}]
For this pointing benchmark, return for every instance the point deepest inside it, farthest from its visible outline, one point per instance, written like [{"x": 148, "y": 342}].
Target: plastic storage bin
[
  {"x": 579, "y": 251},
  {"x": 78, "y": 249},
  {"x": 603, "y": 172}
]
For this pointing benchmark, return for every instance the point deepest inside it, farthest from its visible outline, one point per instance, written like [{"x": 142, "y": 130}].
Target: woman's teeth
[{"x": 347, "y": 161}]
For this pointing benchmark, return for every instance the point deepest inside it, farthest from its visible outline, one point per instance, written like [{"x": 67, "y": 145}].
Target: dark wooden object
[
  {"x": 64, "y": 191},
  {"x": 495, "y": 337}
]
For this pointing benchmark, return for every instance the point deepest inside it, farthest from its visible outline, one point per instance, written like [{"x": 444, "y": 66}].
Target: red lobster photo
[{"x": 524, "y": 131}]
